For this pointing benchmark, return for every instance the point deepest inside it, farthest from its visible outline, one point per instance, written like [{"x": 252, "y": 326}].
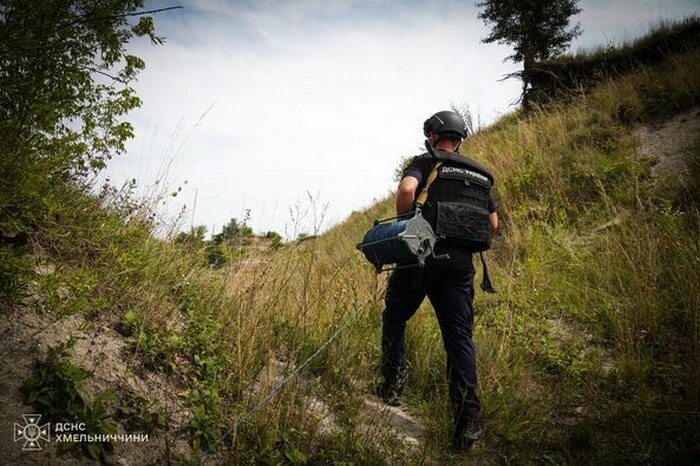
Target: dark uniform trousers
[{"x": 451, "y": 292}]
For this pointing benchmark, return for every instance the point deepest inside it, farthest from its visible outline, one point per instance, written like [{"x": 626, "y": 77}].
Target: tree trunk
[{"x": 525, "y": 77}]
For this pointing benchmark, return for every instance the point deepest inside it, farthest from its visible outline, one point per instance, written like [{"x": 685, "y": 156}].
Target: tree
[
  {"x": 537, "y": 30},
  {"x": 65, "y": 78},
  {"x": 274, "y": 237},
  {"x": 194, "y": 237},
  {"x": 234, "y": 229}
]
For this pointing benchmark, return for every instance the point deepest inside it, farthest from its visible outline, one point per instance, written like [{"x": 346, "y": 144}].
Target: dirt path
[
  {"x": 399, "y": 422},
  {"x": 670, "y": 143},
  {"x": 376, "y": 419}
]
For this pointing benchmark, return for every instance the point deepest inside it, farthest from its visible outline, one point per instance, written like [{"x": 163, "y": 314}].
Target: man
[{"x": 447, "y": 278}]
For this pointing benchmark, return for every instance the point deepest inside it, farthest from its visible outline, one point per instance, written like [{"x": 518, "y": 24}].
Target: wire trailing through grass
[{"x": 279, "y": 385}]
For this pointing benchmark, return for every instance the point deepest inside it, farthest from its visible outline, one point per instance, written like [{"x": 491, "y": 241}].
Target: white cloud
[
  {"x": 308, "y": 96},
  {"x": 312, "y": 107}
]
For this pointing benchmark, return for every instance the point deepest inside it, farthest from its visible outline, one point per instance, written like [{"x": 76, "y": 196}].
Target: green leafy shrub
[
  {"x": 216, "y": 256},
  {"x": 53, "y": 390},
  {"x": 15, "y": 271}
]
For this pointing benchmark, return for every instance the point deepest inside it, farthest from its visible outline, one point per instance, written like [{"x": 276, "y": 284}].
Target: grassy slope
[
  {"x": 588, "y": 353},
  {"x": 558, "y": 76}
]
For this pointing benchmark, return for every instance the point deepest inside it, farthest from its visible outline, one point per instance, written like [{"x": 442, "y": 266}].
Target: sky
[{"x": 294, "y": 113}]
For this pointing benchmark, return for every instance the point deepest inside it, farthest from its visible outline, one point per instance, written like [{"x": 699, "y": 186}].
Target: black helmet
[{"x": 444, "y": 123}]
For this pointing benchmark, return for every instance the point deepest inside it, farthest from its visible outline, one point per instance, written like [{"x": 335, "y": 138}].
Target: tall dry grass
[{"x": 588, "y": 353}]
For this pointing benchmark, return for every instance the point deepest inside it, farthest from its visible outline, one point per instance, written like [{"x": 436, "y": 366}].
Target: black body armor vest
[{"x": 457, "y": 207}]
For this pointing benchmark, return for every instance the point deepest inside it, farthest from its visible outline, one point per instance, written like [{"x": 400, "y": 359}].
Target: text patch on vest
[{"x": 459, "y": 173}]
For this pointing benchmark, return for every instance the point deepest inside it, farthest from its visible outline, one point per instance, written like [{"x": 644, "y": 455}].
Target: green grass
[{"x": 588, "y": 354}]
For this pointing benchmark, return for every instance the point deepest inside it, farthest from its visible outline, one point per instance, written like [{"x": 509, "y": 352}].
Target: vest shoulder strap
[{"x": 423, "y": 196}]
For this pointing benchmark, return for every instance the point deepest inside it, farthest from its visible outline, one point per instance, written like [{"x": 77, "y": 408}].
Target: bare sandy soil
[
  {"x": 669, "y": 143},
  {"x": 27, "y": 331}
]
